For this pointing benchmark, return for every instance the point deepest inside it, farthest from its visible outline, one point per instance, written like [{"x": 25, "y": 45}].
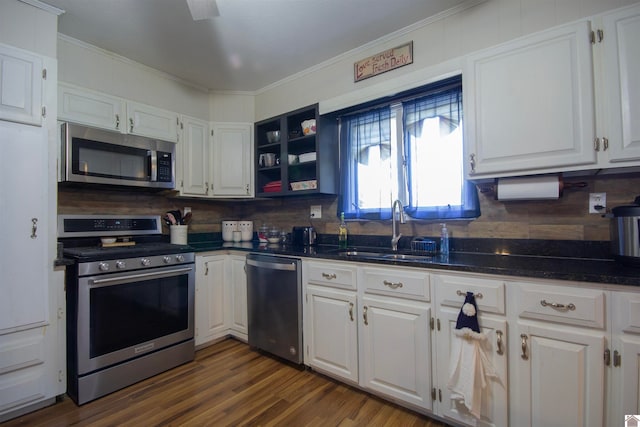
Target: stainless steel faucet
[{"x": 394, "y": 226}]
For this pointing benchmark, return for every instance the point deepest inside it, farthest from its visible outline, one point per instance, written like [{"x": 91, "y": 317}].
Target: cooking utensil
[
  {"x": 177, "y": 215},
  {"x": 170, "y": 218},
  {"x": 187, "y": 218}
]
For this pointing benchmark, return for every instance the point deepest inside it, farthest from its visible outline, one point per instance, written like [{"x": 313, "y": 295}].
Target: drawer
[
  {"x": 396, "y": 282},
  {"x": 626, "y": 306},
  {"x": 331, "y": 274},
  {"x": 571, "y": 306},
  {"x": 452, "y": 290}
]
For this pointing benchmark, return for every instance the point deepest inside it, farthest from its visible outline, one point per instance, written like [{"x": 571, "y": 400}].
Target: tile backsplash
[{"x": 564, "y": 219}]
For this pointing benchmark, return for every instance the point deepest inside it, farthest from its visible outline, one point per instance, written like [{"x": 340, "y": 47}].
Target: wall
[
  {"x": 562, "y": 219},
  {"x": 445, "y": 38},
  {"x": 28, "y": 27},
  {"x": 93, "y": 68}
]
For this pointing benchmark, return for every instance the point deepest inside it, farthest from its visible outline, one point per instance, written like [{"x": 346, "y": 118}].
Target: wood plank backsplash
[{"x": 564, "y": 219}]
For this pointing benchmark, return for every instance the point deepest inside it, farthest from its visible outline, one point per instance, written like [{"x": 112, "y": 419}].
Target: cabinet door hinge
[
  {"x": 211, "y": 132},
  {"x": 617, "y": 358},
  {"x": 433, "y": 393},
  {"x": 44, "y": 111},
  {"x": 432, "y": 325},
  {"x": 596, "y": 36},
  {"x": 44, "y": 73},
  {"x": 607, "y": 357}
]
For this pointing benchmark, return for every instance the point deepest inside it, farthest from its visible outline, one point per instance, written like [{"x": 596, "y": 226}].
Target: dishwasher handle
[{"x": 272, "y": 265}]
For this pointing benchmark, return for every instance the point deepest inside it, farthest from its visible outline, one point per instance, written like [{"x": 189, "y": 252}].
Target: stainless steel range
[{"x": 130, "y": 304}]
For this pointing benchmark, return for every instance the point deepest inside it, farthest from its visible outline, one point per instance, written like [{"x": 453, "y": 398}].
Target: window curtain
[
  {"x": 359, "y": 135},
  {"x": 446, "y": 107}
]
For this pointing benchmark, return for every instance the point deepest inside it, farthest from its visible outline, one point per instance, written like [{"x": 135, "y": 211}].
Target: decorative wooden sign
[{"x": 383, "y": 62}]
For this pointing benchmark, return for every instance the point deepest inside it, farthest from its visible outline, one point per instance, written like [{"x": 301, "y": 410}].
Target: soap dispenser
[
  {"x": 343, "y": 232},
  {"x": 444, "y": 240}
]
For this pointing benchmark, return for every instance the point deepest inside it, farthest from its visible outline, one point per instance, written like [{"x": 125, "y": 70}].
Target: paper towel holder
[{"x": 539, "y": 187}]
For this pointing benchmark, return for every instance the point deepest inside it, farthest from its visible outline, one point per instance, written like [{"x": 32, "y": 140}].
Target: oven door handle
[{"x": 165, "y": 273}]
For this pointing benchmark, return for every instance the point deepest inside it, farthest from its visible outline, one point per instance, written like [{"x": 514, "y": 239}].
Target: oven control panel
[{"x": 134, "y": 263}]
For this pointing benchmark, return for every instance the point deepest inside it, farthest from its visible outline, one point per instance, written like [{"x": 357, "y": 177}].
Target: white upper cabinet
[
  {"x": 232, "y": 155},
  {"x": 21, "y": 75},
  {"x": 529, "y": 104},
  {"x": 621, "y": 96},
  {"x": 194, "y": 159},
  {"x": 152, "y": 122},
  {"x": 91, "y": 108}
]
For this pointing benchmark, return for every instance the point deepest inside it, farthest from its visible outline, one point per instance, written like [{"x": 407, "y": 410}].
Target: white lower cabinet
[
  {"x": 624, "y": 363},
  {"x": 238, "y": 293},
  {"x": 450, "y": 292},
  {"x": 559, "y": 368},
  {"x": 330, "y": 318},
  {"x": 395, "y": 351},
  {"x": 210, "y": 298},
  {"x": 221, "y": 297},
  {"x": 332, "y": 332}
]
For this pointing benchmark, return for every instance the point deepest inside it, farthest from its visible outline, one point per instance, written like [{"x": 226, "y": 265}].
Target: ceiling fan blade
[{"x": 203, "y": 9}]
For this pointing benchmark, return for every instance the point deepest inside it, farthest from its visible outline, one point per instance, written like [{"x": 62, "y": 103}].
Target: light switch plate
[
  {"x": 316, "y": 211},
  {"x": 597, "y": 203}
]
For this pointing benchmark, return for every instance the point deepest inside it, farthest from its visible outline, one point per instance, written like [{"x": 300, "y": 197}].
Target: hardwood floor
[{"x": 229, "y": 384}]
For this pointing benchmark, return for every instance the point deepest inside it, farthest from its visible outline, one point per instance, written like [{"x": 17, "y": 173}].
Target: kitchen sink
[{"x": 383, "y": 254}]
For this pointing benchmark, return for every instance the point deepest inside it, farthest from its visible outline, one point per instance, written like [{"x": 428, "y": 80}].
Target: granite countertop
[{"x": 588, "y": 265}]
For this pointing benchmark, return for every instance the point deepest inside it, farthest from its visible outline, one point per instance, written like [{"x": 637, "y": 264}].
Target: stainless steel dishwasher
[{"x": 274, "y": 297}]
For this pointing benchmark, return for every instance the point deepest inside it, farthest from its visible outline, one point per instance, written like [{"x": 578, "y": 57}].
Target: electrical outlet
[
  {"x": 316, "y": 211},
  {"x": 597, "y": 203}
]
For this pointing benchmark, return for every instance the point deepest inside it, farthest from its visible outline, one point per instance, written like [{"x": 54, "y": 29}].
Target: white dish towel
[
  {"x": 470, "y": 371},
  {"x": 470, "y": 367}
]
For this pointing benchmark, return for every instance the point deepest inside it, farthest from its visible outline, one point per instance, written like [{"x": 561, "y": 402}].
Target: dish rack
[{"x": 424, "y": 246}]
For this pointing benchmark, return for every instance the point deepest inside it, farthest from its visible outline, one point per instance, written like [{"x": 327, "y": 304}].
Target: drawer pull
[
  {"x": 499, "y": 350},
  {"x": 392, "y": 285},
  {"x": 524, "y": 354},
  {"x": 364, "y": 315},
  {"x": 351, "y": 311},
  {"x": 329, "y": 276},
  {"x": 464, "y": 294},
  {"x": 564, "y": 307}
]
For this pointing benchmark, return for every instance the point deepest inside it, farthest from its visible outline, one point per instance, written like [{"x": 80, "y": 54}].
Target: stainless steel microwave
[{"x": 98, "y": 156}]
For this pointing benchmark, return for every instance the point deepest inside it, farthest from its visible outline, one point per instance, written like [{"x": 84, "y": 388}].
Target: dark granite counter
[{"x": 588, "y": 261}]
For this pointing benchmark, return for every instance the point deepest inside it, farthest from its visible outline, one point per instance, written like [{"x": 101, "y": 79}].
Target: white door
[
  {"x": 495, "y": 395},
  {"x": 529, "y": 104},
  {"x": 20, "y": 86},
  {"x": 560, "y": 376},
  {"x": 194, "y": 147},
  {"x": 238, "y": 293},
  {"x": 24, "y": 264},
  {"x": 332, "y": 332},
  {"x": 153, "y": 122},
  {"x": 621, "y": 68},
  {"x": 395, "y": 357},
  {"x": 210, "y": 298},
  {"x": 90, "y": 108},
  {"x": 232, "y": 159}
]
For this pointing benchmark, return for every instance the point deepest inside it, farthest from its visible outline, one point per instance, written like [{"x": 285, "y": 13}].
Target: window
[{"x": 409, "y": 148}]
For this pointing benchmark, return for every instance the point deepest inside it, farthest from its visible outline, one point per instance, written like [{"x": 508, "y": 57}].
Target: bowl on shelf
[
  {"x": 273, "y": 136},
  {"x": 309, "y": 127}
]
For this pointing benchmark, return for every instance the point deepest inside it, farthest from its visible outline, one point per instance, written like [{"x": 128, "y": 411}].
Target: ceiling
[{"x": 250, "y": 45}]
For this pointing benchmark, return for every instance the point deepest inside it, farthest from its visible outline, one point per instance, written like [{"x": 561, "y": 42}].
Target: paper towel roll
[{"x": 529, "y": 188}]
